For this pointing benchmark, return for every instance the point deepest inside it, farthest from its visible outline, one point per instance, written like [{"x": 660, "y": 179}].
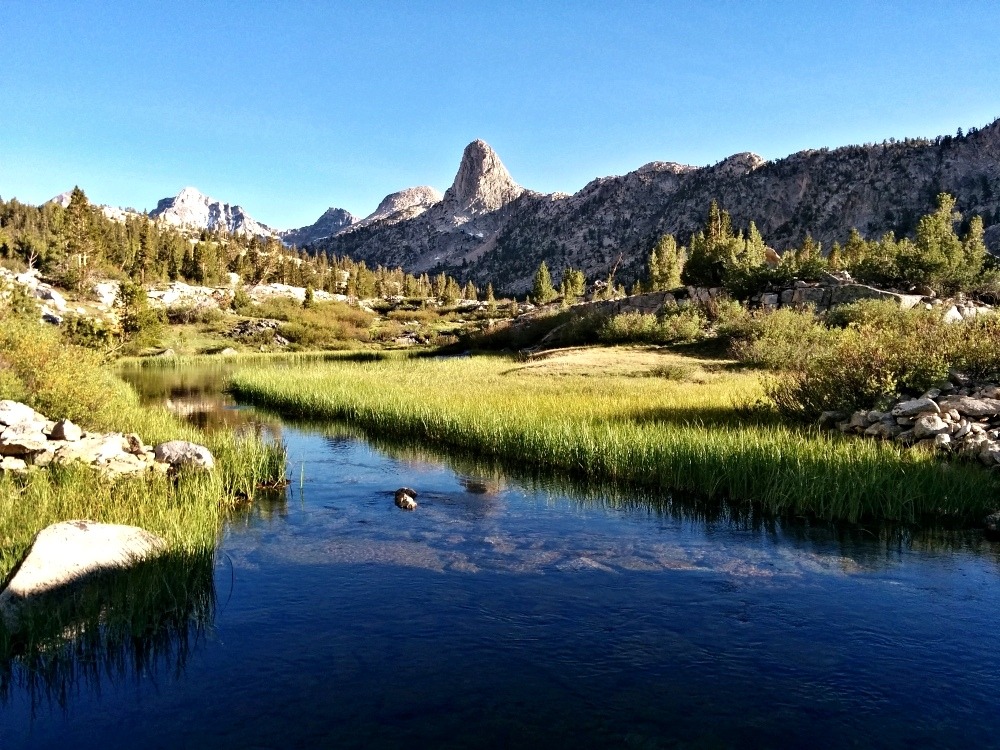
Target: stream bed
[{"x": 514, "y": 613}]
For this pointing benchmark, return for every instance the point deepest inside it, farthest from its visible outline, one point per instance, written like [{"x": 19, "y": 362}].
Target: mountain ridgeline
[{"x": 488, "y": 228}]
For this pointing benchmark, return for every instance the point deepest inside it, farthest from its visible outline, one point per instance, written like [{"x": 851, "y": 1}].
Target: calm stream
[{"x": 505, "y": 612}]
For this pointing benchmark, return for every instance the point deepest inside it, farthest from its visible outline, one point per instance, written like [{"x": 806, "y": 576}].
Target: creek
[{"x": 511, "y": 611}]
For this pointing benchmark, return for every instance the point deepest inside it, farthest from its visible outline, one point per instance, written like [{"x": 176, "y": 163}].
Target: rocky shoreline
[{"x": 29, "y": 440}]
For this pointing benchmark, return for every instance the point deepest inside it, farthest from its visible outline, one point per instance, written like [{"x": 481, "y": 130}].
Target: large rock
[
  {"x": 930, "y": 426},
  {"x": 93, "y": 449},
  {"x": 69, "y": 553},
  {"x": 22, "y": 439},
  {"x": 181, "y": 453},
  {"x": 14, "y": 412},
  {"x": 971, "y": 407},
  {"x": 66, "y": 430},
  {"x": 914, "y": 407}
]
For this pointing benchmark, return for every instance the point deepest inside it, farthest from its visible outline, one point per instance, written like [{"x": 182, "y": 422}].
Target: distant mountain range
[{"x": 486, "y": 227}]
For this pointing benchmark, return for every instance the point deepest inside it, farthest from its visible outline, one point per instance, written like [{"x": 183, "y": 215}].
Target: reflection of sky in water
[{"x": 496, "y": 615}]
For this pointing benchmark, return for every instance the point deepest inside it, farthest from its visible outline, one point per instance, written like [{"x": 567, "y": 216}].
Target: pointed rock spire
[{"x": 483, "y": 183}]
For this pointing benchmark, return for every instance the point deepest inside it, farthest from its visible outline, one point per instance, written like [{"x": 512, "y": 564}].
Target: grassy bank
[
  {"x": 670, "y": 422},
  {"x": 65, "y": 381}
]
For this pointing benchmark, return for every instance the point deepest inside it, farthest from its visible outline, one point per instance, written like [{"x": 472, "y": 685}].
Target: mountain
[
  {"x": 191, "y": 209},
  {"x": 406, "y": 204},
  {"x": 330, "y": 223},
  {"x": 487, "y": 227},
  {"x": 112, "y": 212}
]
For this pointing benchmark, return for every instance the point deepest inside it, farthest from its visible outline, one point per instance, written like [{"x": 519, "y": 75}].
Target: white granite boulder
[{"x": 69, "y": 553}]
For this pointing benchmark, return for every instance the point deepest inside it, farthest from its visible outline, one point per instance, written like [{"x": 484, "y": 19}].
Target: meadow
[{"x": 640, "y": 417}]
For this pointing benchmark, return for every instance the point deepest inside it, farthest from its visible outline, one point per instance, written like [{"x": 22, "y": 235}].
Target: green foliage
[
  {"x": 139, "y": 325},
  {"x": 541, "y": 286},
  {"x": 666, "y": 262},
  {"x": 573, "y": 286},
  {"x": 679, "y": 324},
  {"x": 633, "y": 431},
  {"x": 863, "y": 355}
]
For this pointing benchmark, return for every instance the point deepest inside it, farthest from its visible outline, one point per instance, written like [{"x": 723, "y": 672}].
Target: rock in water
[
  {"x": 68, "y": 553},
  {"x": 405, "y": 498},
  {"x": 180, "y": 453}
]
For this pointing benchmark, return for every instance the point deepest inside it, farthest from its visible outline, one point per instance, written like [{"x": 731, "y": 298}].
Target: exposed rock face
[
  {"x": 488, "y": 228},
  {"x": 69, "y": 553},
  {"x": 482, "y": 184},
  {"x": 333, "y": 221},
  {"x": 402, "y": 205},
  {"x": 190, "y": 209}
]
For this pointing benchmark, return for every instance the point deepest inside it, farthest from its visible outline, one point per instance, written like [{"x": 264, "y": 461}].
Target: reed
[{"x": 713, "y": 438}]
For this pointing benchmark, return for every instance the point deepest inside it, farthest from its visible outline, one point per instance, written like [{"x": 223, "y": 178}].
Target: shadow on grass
[{"x": 108, "y": 629}]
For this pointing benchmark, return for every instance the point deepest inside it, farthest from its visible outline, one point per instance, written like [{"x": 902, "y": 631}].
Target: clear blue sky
[{"x": 290, "y": 107}]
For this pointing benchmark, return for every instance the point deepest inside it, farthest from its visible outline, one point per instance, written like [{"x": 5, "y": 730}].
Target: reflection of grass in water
[
  {"x": 641, "y": 432},
  {"x": 873, "y": 545},
  {"x": 109, "y": 630}
]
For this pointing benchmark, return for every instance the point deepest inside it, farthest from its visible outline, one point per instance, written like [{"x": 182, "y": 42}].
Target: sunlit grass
[
  {"x": 64, "y": 381},
  {"x": 712, "y": 437}
]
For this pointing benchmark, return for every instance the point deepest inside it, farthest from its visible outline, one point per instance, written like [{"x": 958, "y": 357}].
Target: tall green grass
[
  {"x": 65, "y": 381},
  {"x": 704, "y": 438}
]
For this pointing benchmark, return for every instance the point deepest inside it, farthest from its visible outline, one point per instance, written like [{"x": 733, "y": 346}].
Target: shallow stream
[{"x": 512, "y": 612}]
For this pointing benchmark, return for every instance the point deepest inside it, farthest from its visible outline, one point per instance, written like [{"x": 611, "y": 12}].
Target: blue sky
[{"x": 290, "y": 107}]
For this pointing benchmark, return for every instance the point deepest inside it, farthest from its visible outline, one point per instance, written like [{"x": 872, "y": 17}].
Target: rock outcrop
[
  {"x": 65, "y": 555},
  {"x": 959, "y": 420},
  {"x": 190, "y": 209},
  {"x": 482, "y": 184},
  {"x": 402, "y": 205}
]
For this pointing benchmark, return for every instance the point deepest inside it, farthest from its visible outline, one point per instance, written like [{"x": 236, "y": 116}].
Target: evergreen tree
[
  {"x": 666, "y": 262},
  {"x": 542, "y": 291}
]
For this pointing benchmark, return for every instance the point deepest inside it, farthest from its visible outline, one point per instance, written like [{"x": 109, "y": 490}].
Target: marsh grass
[
  {"x": 712, "y": 438},
  {"x": 66, "y": 381}
]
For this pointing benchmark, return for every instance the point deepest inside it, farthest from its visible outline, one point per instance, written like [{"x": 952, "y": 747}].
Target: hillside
[{"x": 489, "y": 228}]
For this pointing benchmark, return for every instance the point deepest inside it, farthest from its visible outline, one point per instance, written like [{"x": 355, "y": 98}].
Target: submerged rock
[
  {"x": 69, "y": 553},
  {"x": 404, "y": 498}
]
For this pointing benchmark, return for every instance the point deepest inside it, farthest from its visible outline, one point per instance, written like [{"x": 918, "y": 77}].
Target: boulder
[
  {"x": 92, "y": 449},
  {"x": 12, "y": 464},
  {"x": 971, "y": 407},
  {"x": 13, "y": 412},
  {"x": 404, "y": 498},
  {"x": 181, "y": 453},
  {"x": 22, "y": 439},
  {"x": 914, "y": 407},
  {"x": 69, "y": 553},
  {"x": 66, "y": 430},
  {"x": 930, "y": 426}
]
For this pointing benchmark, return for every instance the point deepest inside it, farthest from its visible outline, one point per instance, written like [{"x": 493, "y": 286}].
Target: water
[{"x": 508, "y": 613}]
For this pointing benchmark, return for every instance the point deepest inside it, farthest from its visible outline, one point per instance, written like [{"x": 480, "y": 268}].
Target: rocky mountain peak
[
  {"x": 482, "y": 184},
  {"x": 333, "y": 221},
  {"x": 403, "y": 200},
  {"x": 192, "y": 209}
]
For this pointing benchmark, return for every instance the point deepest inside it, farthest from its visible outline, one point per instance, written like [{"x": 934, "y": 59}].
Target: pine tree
[{"x": 541, "y": 287}]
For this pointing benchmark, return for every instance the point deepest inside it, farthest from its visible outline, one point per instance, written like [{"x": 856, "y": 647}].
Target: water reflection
[{"x": 143, "y": 621}]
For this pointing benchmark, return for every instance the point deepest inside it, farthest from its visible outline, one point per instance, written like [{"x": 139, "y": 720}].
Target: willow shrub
[{"x": 863, "y": 355}]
